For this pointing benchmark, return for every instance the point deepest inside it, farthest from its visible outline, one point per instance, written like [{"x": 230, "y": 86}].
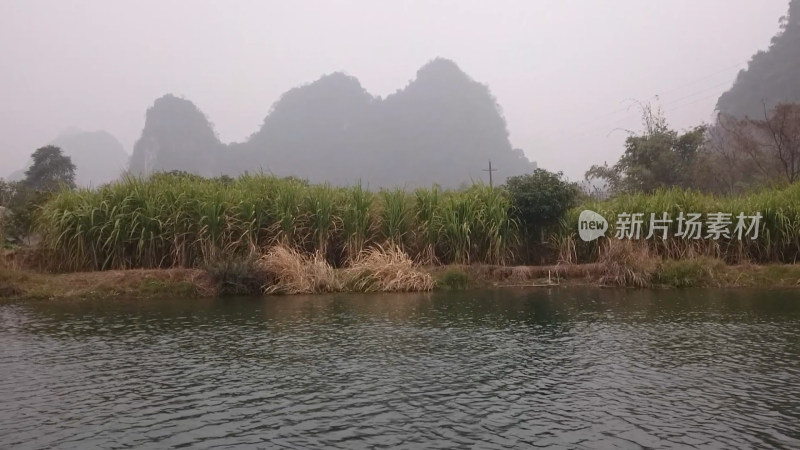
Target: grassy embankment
[
  {"x": 270, "y": 235},
  {"x": 142, "y": 284},
  {"x": 174, "y": 221},
  {"x": 308, "y": 278},
  {"x": 266, "y": 234},
  {"x": 693, "y": 262}
]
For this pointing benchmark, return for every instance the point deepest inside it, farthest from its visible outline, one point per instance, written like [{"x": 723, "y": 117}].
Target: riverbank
[
  {"x": 197, "y": 283},
  {"x": 143, "y": 284},
  {"x": 668, "y": 274}
]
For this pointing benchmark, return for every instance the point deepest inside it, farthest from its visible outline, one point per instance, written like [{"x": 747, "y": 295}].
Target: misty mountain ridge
[
  {"x": 441, "y": 128},
  {"x": 772, "y": 76},
  {"x": 98, "y": 156}
]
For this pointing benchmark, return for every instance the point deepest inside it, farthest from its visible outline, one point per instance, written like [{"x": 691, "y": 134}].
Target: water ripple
[{"x": 504, "y": 369}]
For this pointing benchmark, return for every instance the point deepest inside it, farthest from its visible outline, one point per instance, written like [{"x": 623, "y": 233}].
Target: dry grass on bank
[
  {"x": 377, "y": 269},
  {"x": 778, "y": 235},
  {"x": 627, "y": 263},
  {"x": 389, "y": 269},
  {"x": 287, "y": 271},
  {"x": 522, "y": 274},
  {"x": 282, "y": 270}
]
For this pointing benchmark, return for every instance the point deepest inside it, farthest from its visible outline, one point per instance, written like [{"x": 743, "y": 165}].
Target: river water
[{"x": 572, "y": 368}]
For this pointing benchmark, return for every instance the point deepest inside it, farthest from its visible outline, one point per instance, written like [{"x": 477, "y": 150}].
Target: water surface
[{"x": 497, "y": 369}]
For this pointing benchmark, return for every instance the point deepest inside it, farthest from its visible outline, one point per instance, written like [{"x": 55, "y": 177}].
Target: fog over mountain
[
  {"x": 97, "y": 155},
  {"x": 176, "y": 136},
  {"x": 443, "y": 127},
  {"x": 567, "y": 73},
  {"x": 772, "y": 76}
]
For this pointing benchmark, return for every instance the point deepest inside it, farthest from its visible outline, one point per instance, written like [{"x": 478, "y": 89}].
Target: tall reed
[
  {"x": 395, "y": 216},
  {"x": 778, "y": 233},
  {"x": 357, "y": 219},
  {"x": 188, "y": 221}
]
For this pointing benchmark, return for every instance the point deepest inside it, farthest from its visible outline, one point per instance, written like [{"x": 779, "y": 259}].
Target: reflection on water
[{"x": 593, "y": 368}]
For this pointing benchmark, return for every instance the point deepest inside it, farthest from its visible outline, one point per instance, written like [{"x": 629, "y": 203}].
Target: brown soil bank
[
  {"x": 701, "y": 272},
  {"x": 113, "y": 283},
  {"x": 161, "y": 283}
]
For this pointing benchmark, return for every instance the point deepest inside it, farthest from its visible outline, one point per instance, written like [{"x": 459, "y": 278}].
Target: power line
[
  {"x": 678, "y": 88},
  {"x": 727, "y": 69},
  {"x": 695, "y": 102},
  {"x": 677, "y": 101}
]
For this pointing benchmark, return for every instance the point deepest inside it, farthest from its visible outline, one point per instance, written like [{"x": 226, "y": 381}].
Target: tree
[
  {"x": 541, "y": 199},
  {"x": 777, "y": 137},
  {"x": 7, "y": 191},
  {"x": 751, "y": 152},
  {"x": 6, "y": 196},
  {"x": 722, "y": 167},
  {"x": 51, "y": 169},
  {"x": 659, "y": 157}
]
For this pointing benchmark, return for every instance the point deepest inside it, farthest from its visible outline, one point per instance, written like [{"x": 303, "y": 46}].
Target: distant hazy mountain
[
  {"x": 772, "y": 76},
  {"x": 98, "y": 156},
  {"x": 441, "y": 128},
  {"x": 176, "y": 136}
]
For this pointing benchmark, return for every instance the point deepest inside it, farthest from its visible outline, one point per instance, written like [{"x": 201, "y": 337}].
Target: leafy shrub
[
  {"x": 541, "y": 199},
  {"x": 694, "y": 272},
  {"x": 235, "y": 275},
  {"x": 453, "y": 279}
]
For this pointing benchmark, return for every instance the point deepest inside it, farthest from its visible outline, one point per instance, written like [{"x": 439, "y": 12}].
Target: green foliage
[
  {"x": 742, "y": 154},
  {"x": 396, "y": 215},
  {"x": 657, "y": 158},
  {"x": 429, "y": 221},
  {"x": 693, "y": 272},
  {"x": 20, "y": 205},
  {"x": 357, "y": 219},
  {"x": 98, "y": 156},
  {"x": 453, "y": 279},
  {"x": 497, "y": 229},
  {"x": 285, "y": 211},
  {"x": 541, "y": 199},
  {"x": 50, "y": 171},
  {"x": 21, "y": 201},
  {"x": 459, "y": 217},
  {"x": 8, "y": 190},
  {"x": 321, "y": 205},
  {"x": 237, "y": 275},
  {"x": 7, "y": 193},
  {"x": 184, "y": 220},
  {"x": 778, "y": 234}
]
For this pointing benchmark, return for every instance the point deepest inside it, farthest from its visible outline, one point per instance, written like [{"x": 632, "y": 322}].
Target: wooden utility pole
[{"x": 490, "y": 170}]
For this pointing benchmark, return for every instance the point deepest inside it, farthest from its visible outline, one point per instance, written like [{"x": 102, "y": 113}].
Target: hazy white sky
[{"x": 563, "y": 71}]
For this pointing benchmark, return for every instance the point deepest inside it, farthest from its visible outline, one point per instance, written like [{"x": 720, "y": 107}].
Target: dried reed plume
[
  {"x": 627, "y": 263},
  {"x": 389, "y": 269},
  {"x": 288, "y": 271}
]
